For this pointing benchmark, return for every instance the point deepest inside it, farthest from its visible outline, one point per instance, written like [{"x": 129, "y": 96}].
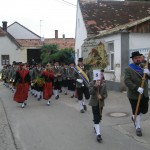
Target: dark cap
[
  {"x": 80, "y": 59},
  {"x": 136, "y": 53},
  {"x": 71, "y": 62}
]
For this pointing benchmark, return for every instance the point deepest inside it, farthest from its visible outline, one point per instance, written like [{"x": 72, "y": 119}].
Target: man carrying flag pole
[{"x": 133, "y": 76}]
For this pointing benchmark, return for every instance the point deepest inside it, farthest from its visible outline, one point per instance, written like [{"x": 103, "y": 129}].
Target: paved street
[{"x": 61, "y": 126}]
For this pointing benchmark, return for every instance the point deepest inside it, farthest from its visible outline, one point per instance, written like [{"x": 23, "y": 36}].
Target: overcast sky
[{"x": 41, "y": 16}]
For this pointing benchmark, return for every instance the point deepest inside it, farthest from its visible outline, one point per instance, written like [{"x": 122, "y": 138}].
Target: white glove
[
  {"x": 146, "y": 71},
  {"x": 80, "y": 80},
  {"x": 140, "y": 90}
]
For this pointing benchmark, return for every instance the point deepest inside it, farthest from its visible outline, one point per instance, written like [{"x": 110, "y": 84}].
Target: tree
[
  {"x": 47, "y": 51},
  {"x": 63, "y": 55},
  {"x": 51, "y": 53}
]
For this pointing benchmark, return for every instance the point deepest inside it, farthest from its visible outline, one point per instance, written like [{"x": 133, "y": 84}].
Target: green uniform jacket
[
  {"x": 133, "y": 81},
  {"x": 93, "y": 92}
]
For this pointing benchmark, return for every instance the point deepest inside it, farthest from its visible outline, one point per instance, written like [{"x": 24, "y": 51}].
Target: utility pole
[{"x": 40, "y": 27}]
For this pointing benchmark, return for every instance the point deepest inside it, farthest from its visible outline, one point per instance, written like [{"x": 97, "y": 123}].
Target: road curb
[{"x": 7, "y": 140}]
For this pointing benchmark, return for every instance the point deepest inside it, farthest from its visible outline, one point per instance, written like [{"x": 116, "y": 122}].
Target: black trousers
[
  {"x": 83, "y": 90},
  {"x": 97, "y": 114},
  {"x": 143, "y": 107},
  {"x": 57, "y": 85}
]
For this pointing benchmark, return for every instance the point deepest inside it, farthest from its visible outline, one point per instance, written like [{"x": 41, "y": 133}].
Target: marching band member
[
  {"x": 82, "y": 82},
  {"x": 37, "y": 71},
  {"x": 64, "y": 78},
  {"x": 71, "y": 79},
  {"x": 98, "y": 92},
  {"x": 57, "y": 79},
  {"x": 22, "y": 83},
  {"x": 48, "y": 76}
]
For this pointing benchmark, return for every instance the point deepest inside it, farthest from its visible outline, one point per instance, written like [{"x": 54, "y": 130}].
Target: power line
[{"x": 67, "y": 3}]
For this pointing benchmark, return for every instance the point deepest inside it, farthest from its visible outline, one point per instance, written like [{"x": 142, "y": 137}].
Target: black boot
[{"x": 99, "y": 138}]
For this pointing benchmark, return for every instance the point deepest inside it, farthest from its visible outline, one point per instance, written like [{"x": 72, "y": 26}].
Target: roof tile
[{"x": 104, "y": 15}]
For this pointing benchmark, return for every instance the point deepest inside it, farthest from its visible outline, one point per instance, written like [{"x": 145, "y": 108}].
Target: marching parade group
[
  {"x": 44, "y": 81},
  {"x": 79, "y": 81}
]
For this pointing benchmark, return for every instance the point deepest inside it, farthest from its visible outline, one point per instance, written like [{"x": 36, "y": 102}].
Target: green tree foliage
[
  {"x": 63, "y": 55},
  {"x": 47, "y": 51},
  {"x": 50, "y": 53}
]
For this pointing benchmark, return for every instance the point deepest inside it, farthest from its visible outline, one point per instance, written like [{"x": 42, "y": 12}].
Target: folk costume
[
  {"x": 57, "y": 79},
  {"x": 48, "y": 76},
  {"x": 82, "y": 83},
  {"x": 64, "y": 79},
  {"x": 37, "y": 89},
  {"x": 22, "y": 83},
  {"x": 98, "y": 92},
  {"x": 133, "y": 78},
  {"x": 71, "y": 79}
]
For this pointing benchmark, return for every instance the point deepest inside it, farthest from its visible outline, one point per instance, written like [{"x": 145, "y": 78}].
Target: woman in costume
[
  {"x": 22, "y": 83},
  {"x": 48, "y": 76}
]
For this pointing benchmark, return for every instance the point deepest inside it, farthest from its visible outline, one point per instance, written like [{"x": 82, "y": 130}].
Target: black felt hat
[
  {"x": 80, "y": 59},
  {"x": 136, "y": 53}
]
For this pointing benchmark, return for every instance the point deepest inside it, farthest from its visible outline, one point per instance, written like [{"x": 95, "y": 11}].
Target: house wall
[
  {"x": 9, "y": 48},
  {"x": 20, "y": 32},
  {"x": 140, "y": 42},
  {"x": 114, "y": 75},
  {"x": 81, "y": 34}
]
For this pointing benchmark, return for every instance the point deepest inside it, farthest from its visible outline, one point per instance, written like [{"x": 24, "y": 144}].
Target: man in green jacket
[{"x": 133, "y": 78}]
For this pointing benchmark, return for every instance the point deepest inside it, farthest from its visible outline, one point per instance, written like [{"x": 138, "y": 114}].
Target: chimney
[
  {"x": 56, "y": 34},
  {"x": 4, "y": 25},
  {"x": 63, "y": 36}
]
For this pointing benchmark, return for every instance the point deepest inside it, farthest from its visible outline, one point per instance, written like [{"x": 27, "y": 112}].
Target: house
[
  {"x": 31, "y": 43},
  {"x": 10, "y": 49},
  {"x": 119, "y": 43},
  {"x": 119, "y": 26}
]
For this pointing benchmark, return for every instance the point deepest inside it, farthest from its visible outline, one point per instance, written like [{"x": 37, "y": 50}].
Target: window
[
  {"x": 110, "y": 53},
  {"x": 5, "y": 59}
]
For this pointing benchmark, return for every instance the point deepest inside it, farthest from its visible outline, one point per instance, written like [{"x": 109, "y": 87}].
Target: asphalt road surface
[{"x": 61, "y": 126}]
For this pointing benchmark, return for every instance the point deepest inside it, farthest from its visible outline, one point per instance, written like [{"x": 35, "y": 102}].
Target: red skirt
[
  {"x": 47, "y": 91},
  {"x": 21, "y": 93}
]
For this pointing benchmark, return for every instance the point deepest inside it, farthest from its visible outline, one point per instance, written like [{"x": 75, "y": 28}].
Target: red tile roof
[
  {"x": 29, "y": 42},
  {"x": 2, "y": 33},
  {"x": 104, "y": 15},
  {"x": 62, "y": 43}
]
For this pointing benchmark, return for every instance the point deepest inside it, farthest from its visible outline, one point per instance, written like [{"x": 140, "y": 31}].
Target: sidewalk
[
  {"x": 119, "y": 102},
  {"x": 6, "y": 139}
]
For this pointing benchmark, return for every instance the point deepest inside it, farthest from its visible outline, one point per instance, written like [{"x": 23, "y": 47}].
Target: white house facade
[
  {"x": 119, "y": 47},
  {"x": 81, "y": 33},
  {"x": 18, "y": 31},
  {"x": 9, "y": 51}
]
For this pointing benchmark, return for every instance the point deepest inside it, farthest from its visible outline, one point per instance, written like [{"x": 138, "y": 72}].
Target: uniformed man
[{"x": 133, "y": 75}]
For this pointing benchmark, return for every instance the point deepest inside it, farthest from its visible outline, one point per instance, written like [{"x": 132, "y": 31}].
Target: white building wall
[
  {"x": 139, "y": 42},
  {"x": 9, "y": 48},
  {"x": 19, "y": 32},
  {"x": 81, "y": 34},
  {"x": 116, "y": 74}
]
